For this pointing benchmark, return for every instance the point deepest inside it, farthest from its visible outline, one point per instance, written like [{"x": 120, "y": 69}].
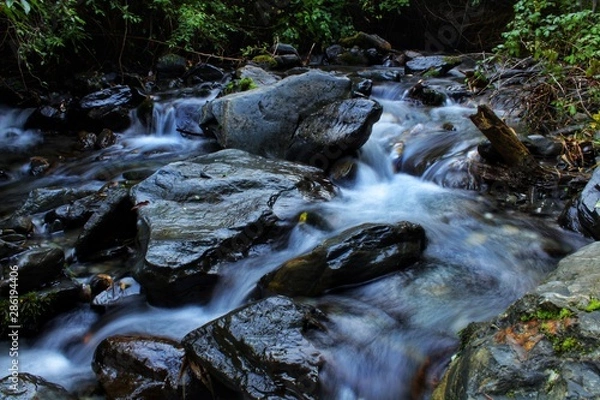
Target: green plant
[{"x": 593, "y": 305}]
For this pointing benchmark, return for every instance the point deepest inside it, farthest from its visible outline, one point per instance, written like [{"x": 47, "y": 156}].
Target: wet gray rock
[
  {"x": 36, "y": 267},
  {"x": 582, "y": 215},
  {"x": 137, "y": 367},
  {"x": 438, "y": 65},
  {"x": 356, "y": 255},
  {"x": 109, "y": 108},
  {"x": 262, "y": 121},
  {"x": 545, "y": 346},
  {"x": 112, "y": 220},
  {"x": 44, "y": 199},
  {"x": 261, "y": 350},
  {"x": 336, "y": 130},
  {"x": 196, "y": 214},
  {"x": 259, "y": 76},
  {"x": 32, "y": 387}
]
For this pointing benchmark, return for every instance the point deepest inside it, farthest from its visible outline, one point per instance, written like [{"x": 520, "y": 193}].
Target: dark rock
[
  {"x": 259, "y": 76},
  {"x": 105, "y": 139},
  {"x": 287, "y": 61},
  {"x": 36, "y": 267},
  {"x": 48, "y": 117},
  {"x": 31, "y": 387},
  {"x": 280, "y": 49},
  {"x": 170, "y": 66},
  {"x": 333, "y": 52},
  {"x": 8, "y": 249},
  {"x": 353, "y": 57},
  {"x": 426, "y": 95},
  {"x": 43, "y": 199},
  {"x": 113, "y": 220},
  {"x": 38, "y": 165},
  {"x": 262, "y": 121},
  {"x": 260, "y": 350},
  {"x": 356, "y": 255},
  {"x": 204, "y": 72},
  {"x": 382, "y": 75},
  {"x": 545, "y": 346},
  {"x": 582, "y": 215},
  {"x": 109, "y": 107},
  {"x": 363, "y": 87},
  {"x": 336, "y": 130},
  {"x": 18, "y": 224},
  {"x": 438, "y": 65},
  {"x": 137, "y": 367},
  {"x": 74, "y": 214},
  {"x": 38, "y": 307},
  {"x": 86, "y": 140},
  {"x": 108, "y": 98},
  {"x": 196, "y": 214},
  {"x": 366, "y": 41},
  {"x": 543, "y": 146}
]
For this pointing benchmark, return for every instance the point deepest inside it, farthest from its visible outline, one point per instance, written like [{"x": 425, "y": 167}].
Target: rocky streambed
[{"x": 324, "y": 235}]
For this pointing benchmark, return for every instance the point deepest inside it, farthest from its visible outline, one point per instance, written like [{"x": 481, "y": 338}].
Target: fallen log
[{"x": 505, "y": 141}]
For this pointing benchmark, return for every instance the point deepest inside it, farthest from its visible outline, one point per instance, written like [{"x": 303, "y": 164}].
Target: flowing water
[{"x": 385, "y": 339}]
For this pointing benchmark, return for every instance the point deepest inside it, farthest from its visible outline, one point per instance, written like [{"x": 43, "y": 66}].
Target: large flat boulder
[{"x": 194, "y": 215}]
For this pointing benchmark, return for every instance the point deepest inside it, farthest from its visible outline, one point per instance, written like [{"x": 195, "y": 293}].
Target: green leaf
[{"x": 26, "y": 6}]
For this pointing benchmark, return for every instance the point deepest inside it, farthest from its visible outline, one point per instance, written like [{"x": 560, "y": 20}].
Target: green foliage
[
  {"x": 40, "y": 30},
  {"x": 553, "y": 30},
  {"x": 45, "y": 34},
  {"x": 593, "y": 305},
  {"x": 239, "y": 85}
]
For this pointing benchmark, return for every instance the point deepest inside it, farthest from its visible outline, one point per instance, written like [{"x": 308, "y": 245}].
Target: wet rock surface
[
  {"x": 356, "y": 255},
  {"x": 32, "y": 387},
  {"x": 336, "y": 130},
  {"x": 582, "y": 215},
  {"x": 210, "y": 209},
  {"x": 262, "y": 121},
  {"x": 544, "y": 346},
  {"x": 137, "y": 367},
  {"x": 111, "y": 221},
  {"x": 261, "y": 350},
  {"x": 36, "y": 267}
]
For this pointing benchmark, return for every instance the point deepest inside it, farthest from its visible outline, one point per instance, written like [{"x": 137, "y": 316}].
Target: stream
[{"x": 478, "y": 259}]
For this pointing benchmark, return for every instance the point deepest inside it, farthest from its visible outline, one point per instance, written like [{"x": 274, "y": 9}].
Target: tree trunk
[{"x": 504, "y": 140}]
